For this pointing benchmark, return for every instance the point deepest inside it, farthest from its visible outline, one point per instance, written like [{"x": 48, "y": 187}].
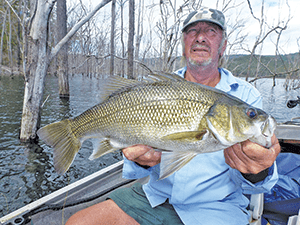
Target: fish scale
[{"x": 180, "y": 118}]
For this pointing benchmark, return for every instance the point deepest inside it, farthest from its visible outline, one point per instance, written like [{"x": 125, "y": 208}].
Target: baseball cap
[{"x": 206, "y": 15}]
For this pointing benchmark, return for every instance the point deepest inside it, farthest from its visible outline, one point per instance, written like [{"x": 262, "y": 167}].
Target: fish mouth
[
  {"x": 264, "y": 138},
  {"x": 268, "y": 127}
]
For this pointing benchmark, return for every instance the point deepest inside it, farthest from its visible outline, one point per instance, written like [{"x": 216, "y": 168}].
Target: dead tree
[
  {"x": 112, "y": 37},
  {"x": 130, "y": 73},
  {"x": 62, "y": 57},
  {"x": 39, "y": 57}
]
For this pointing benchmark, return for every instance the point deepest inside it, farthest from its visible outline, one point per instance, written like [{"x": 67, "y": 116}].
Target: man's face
[{"x": 202, "y": 43}]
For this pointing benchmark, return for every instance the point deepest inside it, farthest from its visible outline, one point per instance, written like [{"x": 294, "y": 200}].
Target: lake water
[{"x": 26, "y": 171}]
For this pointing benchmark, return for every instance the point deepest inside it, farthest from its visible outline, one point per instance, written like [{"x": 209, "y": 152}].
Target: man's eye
[
  {"x": 191, "y": 31},
  {"x": 211, "y": 30}
]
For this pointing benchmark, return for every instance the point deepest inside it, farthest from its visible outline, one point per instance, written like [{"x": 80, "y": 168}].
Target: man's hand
[
  {"x": 143, "y": 155},
  {"x": 249, "y": 157}
]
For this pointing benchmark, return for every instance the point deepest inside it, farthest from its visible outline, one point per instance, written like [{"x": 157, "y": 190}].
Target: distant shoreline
[{"x": 5, "y": 70}]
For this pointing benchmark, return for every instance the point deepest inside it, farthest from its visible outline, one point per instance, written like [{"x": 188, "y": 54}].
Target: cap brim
[{"x": 203, "y": 20}]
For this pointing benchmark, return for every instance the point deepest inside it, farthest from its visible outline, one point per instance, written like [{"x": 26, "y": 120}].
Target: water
[
  {"x": 26, "y": 171},
  {"x": 276, "y": 98}
]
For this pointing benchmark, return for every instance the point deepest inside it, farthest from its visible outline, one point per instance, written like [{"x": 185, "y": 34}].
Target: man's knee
[{"x": 107, "y": 212}]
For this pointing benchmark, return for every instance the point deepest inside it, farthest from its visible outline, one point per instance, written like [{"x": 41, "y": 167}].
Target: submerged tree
[
  {"x": 39, "y": 56},
  {"x": 62, "y": 57},
  {"x": 130, "y": 73},
  {"x": 112, "y": 37}
]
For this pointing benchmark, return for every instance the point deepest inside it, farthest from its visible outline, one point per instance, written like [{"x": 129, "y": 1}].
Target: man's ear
[{"x": 223, "y": 48}]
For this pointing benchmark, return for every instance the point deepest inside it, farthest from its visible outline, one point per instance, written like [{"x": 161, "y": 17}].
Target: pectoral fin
[
  {"x": 189, "y": 136},
  {"x": 174, "y": 161}
]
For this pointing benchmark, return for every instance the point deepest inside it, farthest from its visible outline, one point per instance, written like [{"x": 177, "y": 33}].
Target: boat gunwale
[{"x": 60, "y": 193}]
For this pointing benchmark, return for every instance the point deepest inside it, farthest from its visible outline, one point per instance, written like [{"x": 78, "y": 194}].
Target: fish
[{"x": 177, "y": 117}]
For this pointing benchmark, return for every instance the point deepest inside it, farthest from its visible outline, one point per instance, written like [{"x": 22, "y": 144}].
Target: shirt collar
[
  {"x": 227, "y": 82},
  {"x": 181, "y": 72}
]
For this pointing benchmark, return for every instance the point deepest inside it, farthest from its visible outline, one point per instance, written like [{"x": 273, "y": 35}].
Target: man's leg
[{"x": 107, "y": 212}]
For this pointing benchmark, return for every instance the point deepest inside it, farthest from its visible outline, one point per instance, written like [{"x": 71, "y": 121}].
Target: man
[{"x": 210, "y": 188}]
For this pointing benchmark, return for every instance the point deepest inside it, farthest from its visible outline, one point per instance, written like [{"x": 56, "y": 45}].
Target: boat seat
[
  {"x": 256, "y": 207},
  {"x": 279, "y": 212},
  {"x": 294, "y": 220}
]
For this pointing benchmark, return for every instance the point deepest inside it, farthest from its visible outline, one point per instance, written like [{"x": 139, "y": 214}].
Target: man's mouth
[{"x": 199, "y": 48}]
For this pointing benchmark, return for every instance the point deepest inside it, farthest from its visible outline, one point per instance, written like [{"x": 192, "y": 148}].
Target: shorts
[{"x": 134, "y": 202}]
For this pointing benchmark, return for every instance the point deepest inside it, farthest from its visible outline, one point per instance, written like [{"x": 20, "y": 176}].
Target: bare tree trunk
[
  {"x": 19, "y": 35},
  {"x": 122, "y": 38},
  {"x": 9, "y": 44},
  {"x": 112, "y": 37},
  {"x": 2, "y": 37},
  {"x": 164, "y": 30},
  {"x": 62, "y": 58},
  {"x": 38, "y": 62},
  {"x": 139, "y": 32},
  {"x": 130, "y": 73}
]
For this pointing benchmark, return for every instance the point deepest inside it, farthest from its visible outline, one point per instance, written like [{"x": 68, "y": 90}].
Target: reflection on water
[{"x": 26, "y": 171}]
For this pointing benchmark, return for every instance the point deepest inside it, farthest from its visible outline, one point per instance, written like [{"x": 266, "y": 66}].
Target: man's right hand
[{"x": 143, "y": 155}]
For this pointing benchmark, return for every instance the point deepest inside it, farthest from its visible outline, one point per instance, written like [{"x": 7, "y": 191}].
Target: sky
[{"x": 275, "y": 11}]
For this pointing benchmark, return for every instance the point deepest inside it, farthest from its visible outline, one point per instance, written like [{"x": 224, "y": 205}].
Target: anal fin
[{"x": 101, "y": 148}]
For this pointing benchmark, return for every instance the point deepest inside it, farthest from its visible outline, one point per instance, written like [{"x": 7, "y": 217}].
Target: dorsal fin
[{"x": 116, "y": 84}]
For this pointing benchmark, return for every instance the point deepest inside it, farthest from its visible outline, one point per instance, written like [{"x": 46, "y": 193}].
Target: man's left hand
[{"x": 249, "y": 157}]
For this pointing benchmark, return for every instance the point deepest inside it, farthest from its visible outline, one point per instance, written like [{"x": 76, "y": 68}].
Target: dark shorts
[{"x": 134, "y": 202}]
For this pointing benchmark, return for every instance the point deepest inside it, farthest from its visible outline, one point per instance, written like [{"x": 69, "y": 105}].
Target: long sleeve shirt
[{"x": 207, "y": 190}]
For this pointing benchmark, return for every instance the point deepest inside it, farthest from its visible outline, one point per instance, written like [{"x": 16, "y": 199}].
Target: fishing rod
[{"x": 293, "y": 103}]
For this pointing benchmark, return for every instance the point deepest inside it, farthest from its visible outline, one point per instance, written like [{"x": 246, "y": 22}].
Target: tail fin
[{"x": 59, "y": 136}]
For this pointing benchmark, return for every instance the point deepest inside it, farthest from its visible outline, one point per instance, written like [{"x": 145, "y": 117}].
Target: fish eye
[{"x": 251, "y": 113}]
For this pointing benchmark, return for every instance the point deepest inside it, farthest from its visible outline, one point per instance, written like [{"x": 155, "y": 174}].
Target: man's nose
[{"x": 201, "y": 37}]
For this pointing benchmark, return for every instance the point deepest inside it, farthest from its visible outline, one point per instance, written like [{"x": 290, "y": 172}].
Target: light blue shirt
[{"x": 207, "y": 191}]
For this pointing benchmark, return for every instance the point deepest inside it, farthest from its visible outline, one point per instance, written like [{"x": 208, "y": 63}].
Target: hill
[{"x": 268, "y": 65}]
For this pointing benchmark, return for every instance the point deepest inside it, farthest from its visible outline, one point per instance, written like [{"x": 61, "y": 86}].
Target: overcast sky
[{"x": 275, "y": 10}]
